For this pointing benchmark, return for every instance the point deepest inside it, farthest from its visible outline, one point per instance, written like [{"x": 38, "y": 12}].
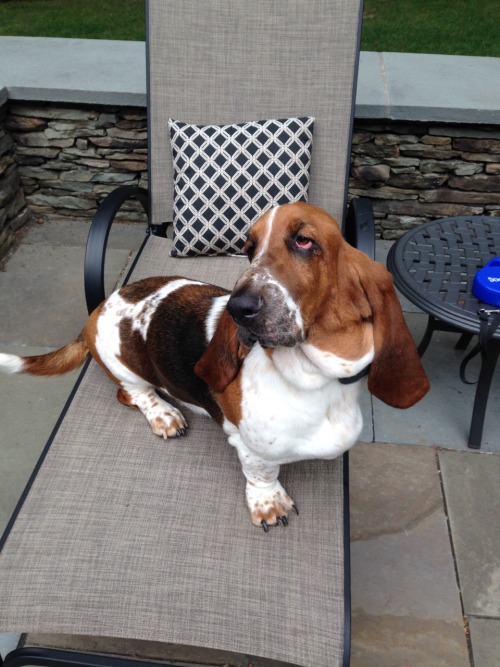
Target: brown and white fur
[{"x": 264, "y": 361}]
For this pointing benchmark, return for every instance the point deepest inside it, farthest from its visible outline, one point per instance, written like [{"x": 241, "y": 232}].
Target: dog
[{"x": 279, "y": 362}]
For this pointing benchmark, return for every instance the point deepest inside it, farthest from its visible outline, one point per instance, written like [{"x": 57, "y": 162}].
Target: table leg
[
  {"x": 424, "y": 343},
  {"x": 482, "y": 391},
  {"x": 463, "y": 341},
  {"x": 433, "y": 324}
]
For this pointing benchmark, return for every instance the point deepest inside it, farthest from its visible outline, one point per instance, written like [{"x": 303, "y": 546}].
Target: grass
[
  {"x": 459, "y": 27},
  {"x": 86, "y": 19}
]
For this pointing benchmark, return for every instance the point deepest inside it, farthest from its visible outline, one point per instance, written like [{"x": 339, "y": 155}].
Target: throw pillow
[{"x": 227, "y": 176}]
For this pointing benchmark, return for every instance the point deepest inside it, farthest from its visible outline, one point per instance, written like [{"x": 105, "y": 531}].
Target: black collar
[{"x": 356, "y": 377}]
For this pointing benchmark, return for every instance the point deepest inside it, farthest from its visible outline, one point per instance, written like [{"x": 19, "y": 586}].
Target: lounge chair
[{"x": 123, "y": 535}]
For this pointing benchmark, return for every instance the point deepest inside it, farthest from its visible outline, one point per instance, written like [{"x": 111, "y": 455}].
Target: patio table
[{"x": 433, "y": 266}]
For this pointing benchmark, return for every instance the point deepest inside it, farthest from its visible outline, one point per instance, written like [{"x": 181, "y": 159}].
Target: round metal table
[{"x": 433, "y": 266}]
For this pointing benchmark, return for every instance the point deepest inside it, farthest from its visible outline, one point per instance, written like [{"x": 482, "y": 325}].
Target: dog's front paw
[
  {"x": 269, "y": 505},
  {"x": 165, "y": 420},
  {"x": 167, "y": 424}
]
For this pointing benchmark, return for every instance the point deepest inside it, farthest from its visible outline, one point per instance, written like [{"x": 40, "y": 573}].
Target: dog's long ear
[
  {"x": 221, "y": 361},
  {"x": 396, "y": 375}
]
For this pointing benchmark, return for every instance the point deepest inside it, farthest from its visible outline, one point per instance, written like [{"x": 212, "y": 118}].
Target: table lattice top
[{"x": 434, "y": 266}]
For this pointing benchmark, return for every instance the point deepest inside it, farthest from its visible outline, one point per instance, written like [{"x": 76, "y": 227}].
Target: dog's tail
[{"x": 59, "y": 361}]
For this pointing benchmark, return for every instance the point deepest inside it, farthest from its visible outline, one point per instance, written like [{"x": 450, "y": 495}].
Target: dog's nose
[{"x": 244, "y": 305}]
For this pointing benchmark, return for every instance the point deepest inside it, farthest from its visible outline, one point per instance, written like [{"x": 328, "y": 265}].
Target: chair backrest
[{"x": 229, "y": 61}]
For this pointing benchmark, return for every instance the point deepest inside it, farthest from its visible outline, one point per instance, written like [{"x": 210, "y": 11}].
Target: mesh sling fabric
[{"x": 127, "y": 535}]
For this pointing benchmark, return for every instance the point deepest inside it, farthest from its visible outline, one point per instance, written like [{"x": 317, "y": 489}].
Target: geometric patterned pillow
[{"x": 227, "y": 176}]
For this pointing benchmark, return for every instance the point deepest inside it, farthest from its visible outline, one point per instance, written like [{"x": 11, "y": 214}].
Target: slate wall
[
  {"x": 61, "y": 161},
  {"x": 13, "y": 210},
  {"x": 418, "y": 172}
]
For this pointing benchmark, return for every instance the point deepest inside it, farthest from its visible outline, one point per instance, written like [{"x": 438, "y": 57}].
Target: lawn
[
  {"x": 87, "y": 19},
  {"x": 461, "y": 27}
]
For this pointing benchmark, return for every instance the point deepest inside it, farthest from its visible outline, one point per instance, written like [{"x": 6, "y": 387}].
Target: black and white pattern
[{"x": 227, "y": 176}]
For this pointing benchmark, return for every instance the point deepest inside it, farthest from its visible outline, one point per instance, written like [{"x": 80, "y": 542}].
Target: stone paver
[
  {"x": 472, "y": 489},
  {"x": 405, "y": 598},
  {"x": 485, "y": 636},
  {"x": 443, "y": 416}
]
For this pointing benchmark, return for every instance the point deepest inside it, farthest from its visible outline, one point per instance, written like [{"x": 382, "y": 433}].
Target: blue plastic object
[{"x": 486, "y": 285}]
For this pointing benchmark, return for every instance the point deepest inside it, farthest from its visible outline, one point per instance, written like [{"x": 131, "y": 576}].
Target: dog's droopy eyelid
[
  {"x": 302, "y": 241},
  {"x": 250, "y": 247}
]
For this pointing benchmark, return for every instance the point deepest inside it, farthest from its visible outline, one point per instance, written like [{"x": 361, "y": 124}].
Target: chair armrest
[
  {"x": 359, "y": 228},
  {"x": 97, "y": 241}
]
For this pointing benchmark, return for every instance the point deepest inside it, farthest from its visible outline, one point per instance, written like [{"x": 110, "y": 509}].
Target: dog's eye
[
  {"x": 304, "y": 243},
  {"x": 250, "y": 248}
]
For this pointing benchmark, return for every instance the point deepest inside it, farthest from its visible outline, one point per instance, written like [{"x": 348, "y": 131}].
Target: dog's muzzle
[{"x": 263, "y": 315}]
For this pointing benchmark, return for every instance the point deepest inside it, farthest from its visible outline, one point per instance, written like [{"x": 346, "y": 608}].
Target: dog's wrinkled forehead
[
  {"x": 283, "y": 225},
  {"x": 260, "y": 235}
]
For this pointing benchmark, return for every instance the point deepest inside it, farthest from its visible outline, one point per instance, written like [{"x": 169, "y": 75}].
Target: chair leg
[{"x": 481, "y": 398}]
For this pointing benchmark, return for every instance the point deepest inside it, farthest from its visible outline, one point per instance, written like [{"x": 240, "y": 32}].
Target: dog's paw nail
[
  {"x": 279, "y": 521},
  {"x": 264, "y": 526},
  {"x": 180, "y": 432},
  {"x": 295, "y": 509},
  {"x": 284, "y": 521}
]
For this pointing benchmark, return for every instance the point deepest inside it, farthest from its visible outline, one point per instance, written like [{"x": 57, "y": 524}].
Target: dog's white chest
[{"x": 292, "y": 411}]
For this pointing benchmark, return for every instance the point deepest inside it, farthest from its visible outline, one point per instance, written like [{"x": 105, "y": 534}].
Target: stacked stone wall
[
  {"x": 70, "y": 158},
  {"x": 13, "y": 210},
  {"x": 62, "y": 161},
  {"x": 418, "y": 172}
]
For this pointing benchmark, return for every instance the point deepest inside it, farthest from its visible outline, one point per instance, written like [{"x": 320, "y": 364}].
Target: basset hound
[{"x": 278, "y": 362}]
